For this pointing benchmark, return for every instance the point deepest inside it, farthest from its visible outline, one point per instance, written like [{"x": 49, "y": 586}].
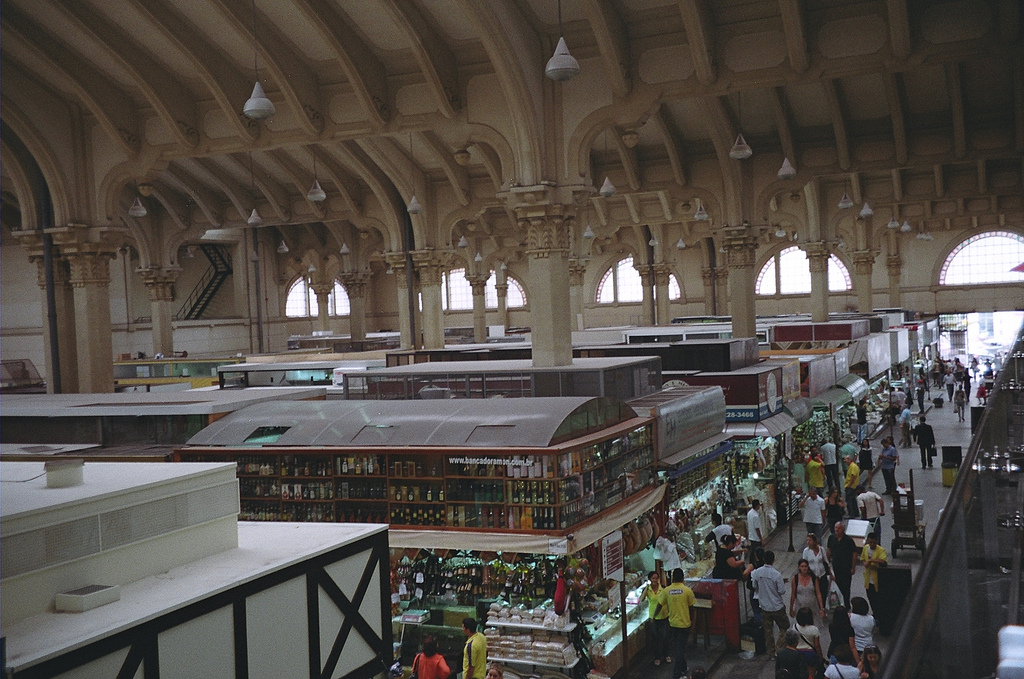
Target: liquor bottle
[
  {"x": 359, "y": 466},
  {"x": 398, "y": 494},
  {"x": 344, "y": 465},
  {"x": 430, "y": 494},
  {"x": 440, "y": 494},
  {"x": 514, "y": 485}
]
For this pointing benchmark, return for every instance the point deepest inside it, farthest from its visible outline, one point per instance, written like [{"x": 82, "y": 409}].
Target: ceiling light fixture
[
  {"x": 479, "y": 258},
  {"x": 701, "y": 214},
  {"x": 607, "y": 189},
  {"x": 780, "y": 232},
  {"x": 561, "y": 66},
  {"x": 414, "y": 207},
  {"x": 283, "y": 249},
  {"x": 680, "y": 244},
  {"x": 866, "y": 211},
  {"x": 653, "y": 242},
  {"x": 906, "y": 228},
  {"x": 463, "y": 243},
  {"x": 740, "y": 149},
  {"x": 258, "y": 107},
  {"x": 588, "y": 232},
  {"x": 787, "y": 171},
  {"x": 893, "y": 224},
  {"x": 316, "y": 193},
  {"x": 845, "y": 202},
  {"x": 344, "y": 248},
  {"x": 311, "y": 269},
  {"x": 137, "y": 209},
  {"x": 254, "y": 218},
  {"x": 503, "y": 266}
]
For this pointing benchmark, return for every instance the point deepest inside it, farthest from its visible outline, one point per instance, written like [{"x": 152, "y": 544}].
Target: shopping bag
[{"x": 835, "y": 597}]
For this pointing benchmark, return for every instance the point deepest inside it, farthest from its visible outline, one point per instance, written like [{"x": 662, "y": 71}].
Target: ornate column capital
[
  {"x": 894, "y": 263},
  {"x": 547, "y": 228},
  {"x": 577, "y": 269},
  {"x": 863, "y": 261},
  {"x": 817, "y": 256},
  {"x": 159, "y": 282},
  {"x": 740, "y": 247},
  {"x": 396, "y": 262},
  {"x": 88, "y": 251},
  {"x": 708, "y": 274},
  {"x": 661, "y": 273},
  {"x": 478, "y": 282},
  {"x": 355, "y": 282},
  {"x": 430, "y": 264},
  {"x": 321, "y": 289}
]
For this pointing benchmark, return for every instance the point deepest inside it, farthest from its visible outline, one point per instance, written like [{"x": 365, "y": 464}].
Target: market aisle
[{"x": 927, "y": 487}]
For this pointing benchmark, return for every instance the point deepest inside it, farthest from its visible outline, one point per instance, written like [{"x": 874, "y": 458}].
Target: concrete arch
[
  {"x": 643, "y": 102},
  {"x": 16, "y": 180},
  {"x": 496, "y": 150},
  {"x": 60, "y": 195}
]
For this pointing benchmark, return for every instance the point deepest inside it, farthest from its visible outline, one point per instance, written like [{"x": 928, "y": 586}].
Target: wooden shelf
[
  {"x": 524, "y": 625},
  {"x": 536, "y": 663}
]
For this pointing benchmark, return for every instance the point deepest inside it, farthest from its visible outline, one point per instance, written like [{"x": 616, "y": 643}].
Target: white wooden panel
[
  {"x": 278, "y": 631},
  {"x": 101, "y": 668},
  {"x": 203, "y": 647}
]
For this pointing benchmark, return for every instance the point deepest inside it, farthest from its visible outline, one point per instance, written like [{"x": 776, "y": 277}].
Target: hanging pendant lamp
[
  {"x": 588, "y": 232},
  {"x": 316, "y": 193},
  {"x": 893, "y": 224},
  {"x": 561, "y": 66},
  {"x": 866, "y": 211},
  {"x": 845, "y": 202},
  {"x": 463, "y": 243},
  {"x": 254, "y": 218},
  {"x": 787, "y": 171},
  {"x": 780, "y": 232},
  {"x": 137, "y": 209},
  {"x": 479, "y": 258},
  {"x": 701, "y": 214},
  {"x": 344, "y": 248},
  {"x": 680, "y": 244},
  {"x": 283, "y": 248},
  {"x": 607, "y": 189},
  {"x": 258, "y": 106},
  {"x": 906, "y": 228},
  {"x": 414, "y": 207},
  {"x": 740, "y": 150},
  {"x": 653, "y": 242}
]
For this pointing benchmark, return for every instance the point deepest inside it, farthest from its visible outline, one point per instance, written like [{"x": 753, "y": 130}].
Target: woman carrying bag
[
  {"x": 818, "y": 563},
  {"x": 429, "y": 664}
]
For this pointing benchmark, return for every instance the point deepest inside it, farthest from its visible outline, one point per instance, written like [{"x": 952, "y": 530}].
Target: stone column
[
  {"x": 577, "y": 269},
  {"x": 160, "y": 286},
  {"x": 547, "y": 236},
  {"x": 817, "y": 258},
  {"x": 355, "y": 285},
  {"x": 478, "y": 283},
  {"x": 90, "y": 279},
  {"x": 863, "y": 262},
  {"x": 661, "y": 274},
  {"x": 741, "y": 252},
  {"x": 722, "y": 290},
  {"x": 707, "y": 275},
  {"x": 322, "y": 291},
  {"x": 430, "y": 265},
  {"x": 396, "y": 260},
  {"x": 647, "y": 303},
  {"x": 894, "y": 265}
]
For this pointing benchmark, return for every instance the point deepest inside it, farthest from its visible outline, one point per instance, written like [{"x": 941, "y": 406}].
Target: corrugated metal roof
[{"x": 521, "y": 422}]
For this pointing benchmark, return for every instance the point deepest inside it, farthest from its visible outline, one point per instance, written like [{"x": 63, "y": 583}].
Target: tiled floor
[{"x": 927, "y": 487}]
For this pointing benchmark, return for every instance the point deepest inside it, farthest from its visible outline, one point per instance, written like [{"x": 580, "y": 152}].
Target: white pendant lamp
[
  {"x": 137, "y": 209},
  {"x": 787, "y": 171},
  {"x": 283, "y": 248},
  {"x": 893, "y": 224},
  {"x": 607, "y": 189},
  {"x": 866, "y": 211},
  {"x": 479, "y": 258},
  {"x": 414, "y": 207},
  {"x": 701, "y": 214},
  {"x": 680, "y": 245},
  {"x": 588, "y": 232},
  {"x": 254, "y": 218},
  {"x": 653, "y": 242},
  {"x": 740, "y": 149},
  {"x": 463, "y": 243},
  {"x": 845, "y": 202},
  {"x": 562, "y": 65},
  {"x": 316, "y": 193},
  {"x": 258, "y": 106},
  {"x": 344, "y": 248},
  {"x": 906, "y": 228},
  {"x": 780, "y": 232}
]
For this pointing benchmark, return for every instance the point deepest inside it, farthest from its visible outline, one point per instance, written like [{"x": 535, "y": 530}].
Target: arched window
[
  {"x": 674, "y": 291},
  {"x": 788, "y": 273},
  {"x": 301, "y": 300},
  {"x": 457, "y": 293},
  {"x": 621, "y": 283},
  {"x": 985, "y": 258}
]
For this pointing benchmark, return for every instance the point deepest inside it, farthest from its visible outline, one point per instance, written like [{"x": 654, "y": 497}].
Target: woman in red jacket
[{"x": 429, "y": 664}]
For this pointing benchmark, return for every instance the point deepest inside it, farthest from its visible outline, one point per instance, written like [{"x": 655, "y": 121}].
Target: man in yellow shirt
[
  {"x": 679, "y": 601},
  {"x": 873, "y": 556},
  {"x": 655, "y": 594},
  {"x": 814, "y": 471},
  {"x": 850, "y": 486},
  {"x": 474, "y": 655}
]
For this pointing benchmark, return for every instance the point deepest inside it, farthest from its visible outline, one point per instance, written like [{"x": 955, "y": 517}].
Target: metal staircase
[{"x": 208, "y": 285}]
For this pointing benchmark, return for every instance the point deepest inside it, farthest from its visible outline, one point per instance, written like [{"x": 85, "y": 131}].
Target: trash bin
[
  {"x": 949, "y": 470},
  {"x": 919, "y": 511}
]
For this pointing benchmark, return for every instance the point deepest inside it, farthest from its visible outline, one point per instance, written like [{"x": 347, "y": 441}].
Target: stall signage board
[
  {"x": 694, "y": 417},
  {"x": 751, "y": 394},
  {"x": 612, "y": 558}
]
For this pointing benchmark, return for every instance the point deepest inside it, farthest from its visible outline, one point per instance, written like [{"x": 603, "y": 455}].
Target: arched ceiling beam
[
  {"x": 363, "y": 70},
  {"x": 271, "y": 190},
  {"x": 341, "y": 179},
  {"x": 36, "y": 144},
  {"x": 956, "y": 108},
  {"x": 701, "y": 37},
  {"x": 400, "y": 168},
  {"x": 940, "y": 182},
  {"x": 239, "y": 195},
  {"x": 299, "y": 179},
  {"x": 492, "y": 162},
  {"x": 229, "y": 86},
  {"x": 897, "y": 185},
  {"x": 22, "y": 185},
  {"x": 206, "y": 199},
  {"x": 777, "y": 100},
  {"x": 723, "y": 132},
  {"x": 894, "y": 93},
  {"x": 899, "y": 28},
  {"x": 630, "y": 162},
  {"x": 174, "y": 203},
  {"x": 457, "y": 175},
  {"x": 666, "y": 127},
  {"x": 613, "y": 43},
  {"x": 436, "y": 60},
  {"x": 173, "y": 102},
  {"x": 109, "y": 104},
  {"x": 796, "y": 38},
  {"x": 833, "y": 97},
  {"x": 353, "y": 157},
  {"x": 296, "y": 82}
]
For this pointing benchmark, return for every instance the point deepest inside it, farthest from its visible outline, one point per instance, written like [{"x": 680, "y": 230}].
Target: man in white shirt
[
  {"x": 814, "y": 512},
  {"x": 871, "y": 508},
  {"x": 754, "y": 534},
  {"x": 771, "y": 593},
  {"x": 720, "y": 529},
  {"x": 828, "y": 457}
]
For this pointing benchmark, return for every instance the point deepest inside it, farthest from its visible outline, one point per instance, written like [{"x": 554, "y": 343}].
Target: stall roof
[
  {"x": 521, "y": 422},
  {"x": 854, "y": 384},
  {"x": 303, "y": 365},
  {"x": 834, "y": 396},
  {"x": 508, "y": 366},
  {"x": 134, "y": 404},
  {"x": 772, "y": 426},
  {"x": 687, "y": 453}
]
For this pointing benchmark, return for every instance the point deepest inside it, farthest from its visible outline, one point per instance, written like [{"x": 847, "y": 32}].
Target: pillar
[
  {"x": 396, "y": 260},
  {"x": 707, "y": 275},
  {"x": 160, "y": 286},
  {"x": 740, "y": 254},
  {"x": 817, "y": 258},
  {"x": 577, "y": 269},
  {"x": 322, "y": 291},
  {"x": 863, "y": 262},
  {"x": 661, "y": 274},
  {"x": 894, "y": 265},
  {"x": 547, "y": 237},
  {"x": 65, "y": 306},
  {"x": 647, "y": 303},
  {"x": 355, "y": 286},
  {"x": 90, "y": 280},
  {"x": 429, "y": 265},
  {"x": 478, "y": 284},
  {"x": 722, "y": 290}
]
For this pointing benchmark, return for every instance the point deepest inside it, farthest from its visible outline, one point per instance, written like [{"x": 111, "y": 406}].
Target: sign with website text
[{"x": 612, "y": 558}]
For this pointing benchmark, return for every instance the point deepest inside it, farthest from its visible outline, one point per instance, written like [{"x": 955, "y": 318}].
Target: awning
[
  {"x": 773, "y": 426},
  {"x": 835, "y": 396},
  {"x": 686, "y": 453},
  {"x": 583, "y": 535},
  {"x": 800, "y": 409},
  {"x": 854, "y": 384}
]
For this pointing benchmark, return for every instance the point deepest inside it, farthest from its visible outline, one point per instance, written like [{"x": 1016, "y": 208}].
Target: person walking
[
  {"x": 904, "y": 422},
  {"x": 863, "y": 624},
  {"x": 873, "y": 556},
  {"x": 816, "y": 558},
  {"x": 949, "y": 382},
  {"x": 831, "y": 462},
  {"x": 428, "y": 663},
  {"x": 920, "y": 394},
  {"x": 845, "y": 665},
  {"x": 871, "y": 508},
  {"x": 960, "y": 402},
  {"x": 887, "y": 461},
  {"x": 835, "y": 508},
  {"x": 850, "y": 484},
  {"x": 679, "y": 601},
  {"x": 862, "y": 419},
  {"x": 865, "y": 461},
  {"x": 655, "y": 595},
  {"x": 814, "y": 471},
  {"x": 814, "y": 511},
  {"x": 754, "y": 535},
  {"x": 841, "y": 634},
  {"x": 925, "y": 437},
  {"x": 842, "y": 554},
  {"x": 810, "y": 638},
  {"x": 474, "y": 653},
  {"x": 771, "y": 593}
]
